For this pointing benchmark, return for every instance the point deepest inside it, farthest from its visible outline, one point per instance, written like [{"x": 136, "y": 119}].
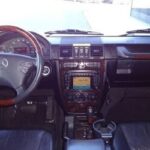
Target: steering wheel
[{"x": 20, "y": 72}]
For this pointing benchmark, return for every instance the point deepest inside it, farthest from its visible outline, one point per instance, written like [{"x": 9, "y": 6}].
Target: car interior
[{"x": 74, "y": 90}]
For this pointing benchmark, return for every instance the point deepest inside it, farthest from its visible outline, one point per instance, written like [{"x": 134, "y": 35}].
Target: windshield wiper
[
  {"x": 73, "y": 31},
  {"x": 145, "y": 31}
]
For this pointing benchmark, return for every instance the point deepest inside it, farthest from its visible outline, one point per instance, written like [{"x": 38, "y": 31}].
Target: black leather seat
[
  {"x": 25, "y": 140},
  {"x": 132, "y": 136}
]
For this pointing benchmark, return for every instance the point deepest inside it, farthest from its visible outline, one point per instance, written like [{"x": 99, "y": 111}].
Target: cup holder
[{"x": 104, "y": 129}]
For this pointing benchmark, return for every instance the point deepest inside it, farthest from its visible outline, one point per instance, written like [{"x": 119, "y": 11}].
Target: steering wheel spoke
[
  {"x": 20, "y": 90},
  {"x": 14, "y": 69}
]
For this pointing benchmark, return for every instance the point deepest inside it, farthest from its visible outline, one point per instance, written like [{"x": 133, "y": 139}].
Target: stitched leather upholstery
[
  {"x": 25, "y": 140},
  {"x": 132, "y": 136}
]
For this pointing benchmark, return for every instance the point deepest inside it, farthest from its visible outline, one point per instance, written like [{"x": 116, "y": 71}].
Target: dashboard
[{"x": 86, "y": 65}]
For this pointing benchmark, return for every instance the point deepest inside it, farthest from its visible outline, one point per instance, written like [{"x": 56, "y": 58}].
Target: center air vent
[
  {"x": 96, "y": 51},
  {"x": 66, "y": 51}
]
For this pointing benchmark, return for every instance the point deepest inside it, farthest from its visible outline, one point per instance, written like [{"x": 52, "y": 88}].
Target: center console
[
  {"x": 81, "y": 83},
  {"x": 101, "y": 141},
  {"x": 80, "y": 71},
  {"x": 80, "y": 74}
]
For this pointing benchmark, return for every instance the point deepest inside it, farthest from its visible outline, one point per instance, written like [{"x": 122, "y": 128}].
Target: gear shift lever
[
  {"x": 90, "y": 115},
  {"x": 90, "y": 120}
]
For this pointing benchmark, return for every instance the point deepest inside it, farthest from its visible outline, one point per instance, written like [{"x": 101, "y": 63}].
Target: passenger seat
[{"x": 132, "y": 136}]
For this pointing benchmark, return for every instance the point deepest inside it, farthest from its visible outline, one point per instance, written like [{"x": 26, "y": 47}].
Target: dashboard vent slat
[
  {"x": 66, "y": 51},
  {"x": 96, "y": 51}
]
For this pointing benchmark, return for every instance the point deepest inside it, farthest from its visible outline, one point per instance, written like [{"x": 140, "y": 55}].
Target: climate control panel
[{"x": 80, "y": 97}]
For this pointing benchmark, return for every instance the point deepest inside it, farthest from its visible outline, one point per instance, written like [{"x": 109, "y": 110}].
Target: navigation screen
[{"x": 81, "y": 83}]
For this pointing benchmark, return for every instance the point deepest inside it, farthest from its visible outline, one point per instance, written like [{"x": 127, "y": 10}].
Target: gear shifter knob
[{"x": 90, "y": 110}]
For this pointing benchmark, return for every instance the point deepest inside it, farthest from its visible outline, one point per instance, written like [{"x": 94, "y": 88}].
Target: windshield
[{"x": 110, "y": 17}]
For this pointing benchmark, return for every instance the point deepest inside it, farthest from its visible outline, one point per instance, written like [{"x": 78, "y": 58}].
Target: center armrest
[{"x": 93, "y": 144}]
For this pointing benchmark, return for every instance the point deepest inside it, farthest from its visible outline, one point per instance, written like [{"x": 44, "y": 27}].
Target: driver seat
[{"x": 25, "y": 140}]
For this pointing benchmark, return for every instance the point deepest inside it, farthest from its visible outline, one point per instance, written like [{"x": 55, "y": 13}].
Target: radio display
[{"x": 81, "y": 83}]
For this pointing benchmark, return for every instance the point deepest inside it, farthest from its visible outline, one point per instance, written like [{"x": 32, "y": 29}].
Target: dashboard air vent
[
  {"x": 96, "y": 51},
  {"x": 66, "y": 51}
]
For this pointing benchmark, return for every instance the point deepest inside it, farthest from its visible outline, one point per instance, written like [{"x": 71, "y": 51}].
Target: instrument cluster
[{"x": 18, "y": 45}]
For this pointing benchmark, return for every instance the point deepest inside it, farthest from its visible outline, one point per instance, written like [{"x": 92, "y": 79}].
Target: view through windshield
[{"x": 111, "y": 17}]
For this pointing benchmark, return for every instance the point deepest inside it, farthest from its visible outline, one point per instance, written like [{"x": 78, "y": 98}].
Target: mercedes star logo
[{"x": 4, "y": 63}]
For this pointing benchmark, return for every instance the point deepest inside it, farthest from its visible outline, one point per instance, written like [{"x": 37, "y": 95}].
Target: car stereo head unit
[{"x": 81, "y": 81}]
